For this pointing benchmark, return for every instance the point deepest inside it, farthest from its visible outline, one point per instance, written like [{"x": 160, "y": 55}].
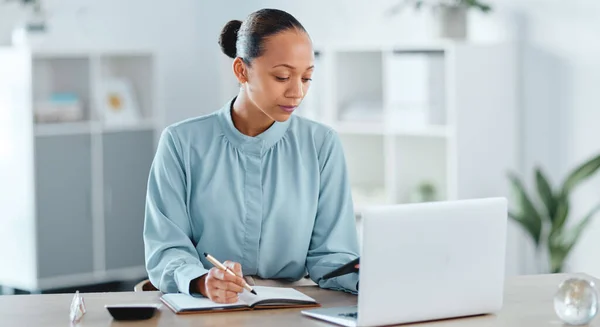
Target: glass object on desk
[
  {"x": 576, "y": 301},
  {"x": 77, "y": 308}
]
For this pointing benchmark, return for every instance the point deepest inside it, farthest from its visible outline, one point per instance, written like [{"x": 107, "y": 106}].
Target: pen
[{"x": 222, "y": 267}]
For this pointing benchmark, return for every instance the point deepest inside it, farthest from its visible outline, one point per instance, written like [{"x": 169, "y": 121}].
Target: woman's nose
[{"x": 296, "y": 90}]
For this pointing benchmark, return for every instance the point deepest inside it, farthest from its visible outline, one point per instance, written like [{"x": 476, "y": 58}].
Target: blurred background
[{"x": 433, "y": 101}]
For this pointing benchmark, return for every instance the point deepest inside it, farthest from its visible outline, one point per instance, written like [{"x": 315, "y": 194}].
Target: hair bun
[{"x": 228, "y": 38}]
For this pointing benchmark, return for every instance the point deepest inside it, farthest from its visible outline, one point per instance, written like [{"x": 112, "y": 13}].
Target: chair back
[{"x": 144, "y": 286}]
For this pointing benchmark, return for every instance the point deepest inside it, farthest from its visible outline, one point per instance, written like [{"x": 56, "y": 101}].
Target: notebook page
[
  {"x": 269, "y": 293},
  {"x": 184, "y": 302}
]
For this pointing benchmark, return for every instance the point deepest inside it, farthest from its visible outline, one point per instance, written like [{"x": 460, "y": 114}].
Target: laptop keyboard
[{"x": 351, "y": 315}]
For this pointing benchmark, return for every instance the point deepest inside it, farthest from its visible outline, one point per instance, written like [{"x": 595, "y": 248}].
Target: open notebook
[{"x": 267, "y": 298}]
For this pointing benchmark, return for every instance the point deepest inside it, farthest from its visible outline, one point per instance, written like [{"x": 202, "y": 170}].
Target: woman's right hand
[{"x": 220, "y": 286}]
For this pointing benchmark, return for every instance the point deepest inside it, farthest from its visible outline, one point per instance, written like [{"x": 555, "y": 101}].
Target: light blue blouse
[{"x": 278, "y": 203}]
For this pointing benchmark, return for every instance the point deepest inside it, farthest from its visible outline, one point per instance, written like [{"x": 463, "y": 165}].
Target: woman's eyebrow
[
  {"x": 285, "y": 65},
  {"x": 292, "y": 67}
]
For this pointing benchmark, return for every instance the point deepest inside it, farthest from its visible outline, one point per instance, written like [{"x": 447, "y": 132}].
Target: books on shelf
[{"x": 59, "y": 108}]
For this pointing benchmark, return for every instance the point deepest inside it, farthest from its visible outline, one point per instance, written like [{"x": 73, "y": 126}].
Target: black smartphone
[{"x": 348, "y": 268}]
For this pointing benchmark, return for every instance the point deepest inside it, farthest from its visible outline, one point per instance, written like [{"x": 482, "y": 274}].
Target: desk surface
[{"x": 528, "y": 302}]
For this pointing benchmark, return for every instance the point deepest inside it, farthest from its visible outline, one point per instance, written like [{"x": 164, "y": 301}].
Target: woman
[{"x": 252, "y": 184}]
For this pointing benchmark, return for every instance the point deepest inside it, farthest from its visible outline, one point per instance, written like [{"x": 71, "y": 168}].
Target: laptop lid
[{"x": 432, "y": 261}]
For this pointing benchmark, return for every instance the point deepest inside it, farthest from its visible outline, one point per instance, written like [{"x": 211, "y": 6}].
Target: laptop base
[{"x": 344, "y": 316}]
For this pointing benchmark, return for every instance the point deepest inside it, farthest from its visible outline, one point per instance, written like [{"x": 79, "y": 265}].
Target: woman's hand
[{"x": 220, "y": 286}]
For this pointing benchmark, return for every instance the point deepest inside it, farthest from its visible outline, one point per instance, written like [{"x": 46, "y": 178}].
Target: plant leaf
[
  {"x": 558, "y": 254},
  {"x": 570, "y": 237},
  {"x": 562, "y": 243},
  {"x": 484, "y": 7},
  {"x": 580, "y": 174},
  {"x": 562, "y": 212},
  {"x": 527, "y": 216},
  {"x": 545, "y": 193},
  {"x": 529, "y": 225}
]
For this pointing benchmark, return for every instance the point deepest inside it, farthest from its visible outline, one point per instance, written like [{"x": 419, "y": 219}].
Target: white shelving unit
[
  {"x": 80, "y": 214},
  {"x": 412, "y": 115}
]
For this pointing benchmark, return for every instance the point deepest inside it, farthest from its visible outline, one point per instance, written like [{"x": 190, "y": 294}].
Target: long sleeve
[
  {"x": 171, "y": 258},
  {"x": 334, "y": 240}
]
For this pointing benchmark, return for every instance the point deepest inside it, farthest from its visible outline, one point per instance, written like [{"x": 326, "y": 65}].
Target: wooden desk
[{"x": 528, "y": 302}]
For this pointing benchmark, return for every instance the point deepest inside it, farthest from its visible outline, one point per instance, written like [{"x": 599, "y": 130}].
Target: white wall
[
  {"x": 561, "y": 74},
  {"x": 566, "y": 36},
  {"x": 560, "y": 63}
]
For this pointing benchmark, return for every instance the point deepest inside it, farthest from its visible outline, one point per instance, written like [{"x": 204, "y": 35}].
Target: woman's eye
[
  {"x": 281, "y": 78},
  {"x": 306, "y": 80}
]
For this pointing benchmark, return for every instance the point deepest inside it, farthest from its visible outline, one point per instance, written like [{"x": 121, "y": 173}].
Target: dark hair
[{"x": 246, "y": 39}]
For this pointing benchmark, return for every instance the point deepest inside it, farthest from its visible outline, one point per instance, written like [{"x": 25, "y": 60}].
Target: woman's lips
[{"x": 287, "y": 108}]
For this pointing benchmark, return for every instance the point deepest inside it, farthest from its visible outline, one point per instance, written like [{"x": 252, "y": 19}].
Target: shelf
[
  {"x": 146, "y": 124},
  {"x": 61, "y": 53},
  {"x": 70, "y": 128},
  {"x": 369, "y": 128},
  {"x": 61, "y": 75},
  {"x": 420, "y": 162},
  {"x": 87, "y": 127},
  {"x": 429, "y": 131},
  {"x": 359, "y": 206},
  {"x": 99, "y": 169},
  {"x": 425, "y": 47},
  {"x": 373, "y": 128},
  {"x": 134, "y": 72},
  {"x": 359, "y": 90}
]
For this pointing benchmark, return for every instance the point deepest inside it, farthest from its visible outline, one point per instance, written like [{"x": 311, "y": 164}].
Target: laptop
[{"x": 428, "y": 261}]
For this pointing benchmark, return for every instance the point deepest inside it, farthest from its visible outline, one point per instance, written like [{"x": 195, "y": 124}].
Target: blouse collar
[{"x": 258, "y": 144}]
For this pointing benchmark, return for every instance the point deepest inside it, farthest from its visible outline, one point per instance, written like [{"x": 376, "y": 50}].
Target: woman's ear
[{"x": 240, "y": 70}]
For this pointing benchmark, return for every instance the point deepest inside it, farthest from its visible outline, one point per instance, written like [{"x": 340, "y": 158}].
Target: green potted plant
[
  {"x": 425, "y": 191},
  {"x": 545, "y": 216},
  {"x": 450, "y": 16}
]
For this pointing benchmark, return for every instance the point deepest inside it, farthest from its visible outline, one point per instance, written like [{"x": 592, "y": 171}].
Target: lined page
[
  {"x": 270, "y": 293},
  {"x": 184, "y": 302}
]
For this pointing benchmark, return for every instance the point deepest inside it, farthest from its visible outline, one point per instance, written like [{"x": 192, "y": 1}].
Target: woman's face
[{"x": 278, "y": 80}]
